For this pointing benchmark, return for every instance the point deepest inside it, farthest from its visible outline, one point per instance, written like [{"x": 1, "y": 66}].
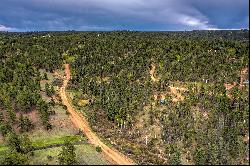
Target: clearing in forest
[{"x": 175, "y": 91}]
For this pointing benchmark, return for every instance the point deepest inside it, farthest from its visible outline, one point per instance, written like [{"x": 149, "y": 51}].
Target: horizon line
[{"x": 212, "y": 29}]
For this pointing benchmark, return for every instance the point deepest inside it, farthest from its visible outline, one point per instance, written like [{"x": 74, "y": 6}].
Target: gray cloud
[{"x": 123, "y": 14}]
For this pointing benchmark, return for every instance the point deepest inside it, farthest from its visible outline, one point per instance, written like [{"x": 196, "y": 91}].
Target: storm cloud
[{"x": 34, "y": 15}]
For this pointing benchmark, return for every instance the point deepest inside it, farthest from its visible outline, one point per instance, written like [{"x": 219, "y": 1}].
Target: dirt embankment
[{"x": 80, "y": 121}]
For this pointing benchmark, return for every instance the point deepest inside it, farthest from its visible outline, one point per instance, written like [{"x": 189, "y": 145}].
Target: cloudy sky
[{"x": 148, "y": 15}]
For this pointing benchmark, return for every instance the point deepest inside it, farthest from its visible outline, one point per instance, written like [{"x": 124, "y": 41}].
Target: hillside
[{"x": 148, "y": 97}]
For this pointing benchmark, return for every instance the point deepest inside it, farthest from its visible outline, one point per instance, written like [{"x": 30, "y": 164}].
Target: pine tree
[
  {"x": 15, "y": 158},
  {"x": 199, "y": 156},
  {"x": 26, "y": 144},
  {"x": 25, "y": 124},
  {"x": 45, "y": 76},
  {"x": 67, "y": 155},
  {"x": 11, "y": 116},
  {"x": 14, "y": 142},
  {"x": 47, "y": 89},
  {"x": 1, "y": 118},
  {"x": 5, "y": 128}
]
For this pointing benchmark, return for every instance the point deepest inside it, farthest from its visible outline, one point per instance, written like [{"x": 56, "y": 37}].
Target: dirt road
[{"x": 79, "y": 120}]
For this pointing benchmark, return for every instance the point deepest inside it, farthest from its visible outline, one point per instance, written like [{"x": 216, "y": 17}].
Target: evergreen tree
[
  {"x": 14, "y": 142},
  {"x": 15, "y": 158},
  {"x": 45, "y": 76},
  {"x": 25, "y": 124},
  {"x": 68, "y": 155},
  {"x": 199, "y": 156}
]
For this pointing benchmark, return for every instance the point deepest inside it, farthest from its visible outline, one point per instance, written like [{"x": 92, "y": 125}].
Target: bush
[
  {"x": 68, "y": 155},
  {"x": 65, "y": 107},
  {"x": 57, "y": 82},
  {"x": 15, "y": 158},
  {"x": 67, "y": 112},
  {"x": 45, "y": 76},
  {"x": 98, "y": 149},
  {"x": 49, "y": 157}
]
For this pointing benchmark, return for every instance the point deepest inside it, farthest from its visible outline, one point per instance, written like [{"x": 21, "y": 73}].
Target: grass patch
[
  {"x": 54, "y": 141},
  {"x": 47, "y": 142},
  {"x": 85, "y": 155},
  {"x": 62, "y": 126},
  {"x": 3, "y": 148},
  {"x": 83, "y": 102}
]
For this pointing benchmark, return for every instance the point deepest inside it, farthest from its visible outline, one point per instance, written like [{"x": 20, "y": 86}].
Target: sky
[{"x": 108, "y": 15}]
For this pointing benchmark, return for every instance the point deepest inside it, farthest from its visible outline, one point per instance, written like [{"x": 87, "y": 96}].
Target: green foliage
[
  {"x": 44, "y": 113},
  {"x": 11, "y": 116},
  {"x": 200, "y": 156},
  {"x": 65, "y": 107},
  {"x": 20, "y": 144},
  {"x": 113, "y": 70},
  {"x": 15, "y": 158},
  {"x": 1, "y": 118},
  {"x": 173, "y": 153},
  {"x": 54, "y": 141},
  {"x": 67, "y": 155},
  {"x": 98, "y": 149},
  {"x": 5, "y": 128},
  {"x": 49, "y": 89},
  {"x": 26, "y": 144},
  {"x": 174, "y": 159},
  {"x": 25, "y": 124},
  {"x": 20, "y": 147},
  {"x": 14, "y": 142},
  {"x": 45, "y": 76}
]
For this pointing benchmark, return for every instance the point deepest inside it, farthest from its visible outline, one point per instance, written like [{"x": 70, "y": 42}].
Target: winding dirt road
[{"x": 80, "y": 121}]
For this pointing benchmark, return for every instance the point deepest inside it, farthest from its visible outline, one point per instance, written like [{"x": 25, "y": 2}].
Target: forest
[{"x": 158, "y": 97}]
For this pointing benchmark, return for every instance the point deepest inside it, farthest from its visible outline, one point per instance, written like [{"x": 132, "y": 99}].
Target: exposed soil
[
  {"x": 230, "y": 86},
  {"x": 152, "y": 73},
  {"x": 58, "y": 75}
]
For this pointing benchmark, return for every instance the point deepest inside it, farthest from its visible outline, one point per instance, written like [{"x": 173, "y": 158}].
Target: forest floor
[
  {"x": 175, "y": 91},
  {"x": 85, "y": 155},
  {"x": 111, "y": 154}
]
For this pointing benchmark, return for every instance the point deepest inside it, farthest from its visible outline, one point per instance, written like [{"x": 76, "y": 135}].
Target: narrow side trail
[{"x": 80, "y": 121}]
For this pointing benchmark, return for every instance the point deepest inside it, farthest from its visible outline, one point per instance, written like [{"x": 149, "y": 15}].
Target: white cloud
[
  {"x": 111, "y": 14},
  {"x": 4, "y": 28},
  {"x": 195, "y": 22},
  {"x": 215, "y": 29}
]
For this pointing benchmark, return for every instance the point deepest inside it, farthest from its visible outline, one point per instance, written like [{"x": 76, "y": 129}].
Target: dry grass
[
  {"x": 85, "y": 155},
  {"x": 83, "y": 102}
]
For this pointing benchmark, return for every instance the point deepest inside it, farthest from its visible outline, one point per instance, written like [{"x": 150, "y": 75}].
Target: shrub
[
  {"x": 65, "y": 107},
  {"x": 98, "y": 149},
  {"x": 67, "y": 112}
]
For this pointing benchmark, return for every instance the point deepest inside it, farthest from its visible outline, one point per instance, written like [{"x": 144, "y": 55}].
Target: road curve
[{"x": 80, "y": 121}]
